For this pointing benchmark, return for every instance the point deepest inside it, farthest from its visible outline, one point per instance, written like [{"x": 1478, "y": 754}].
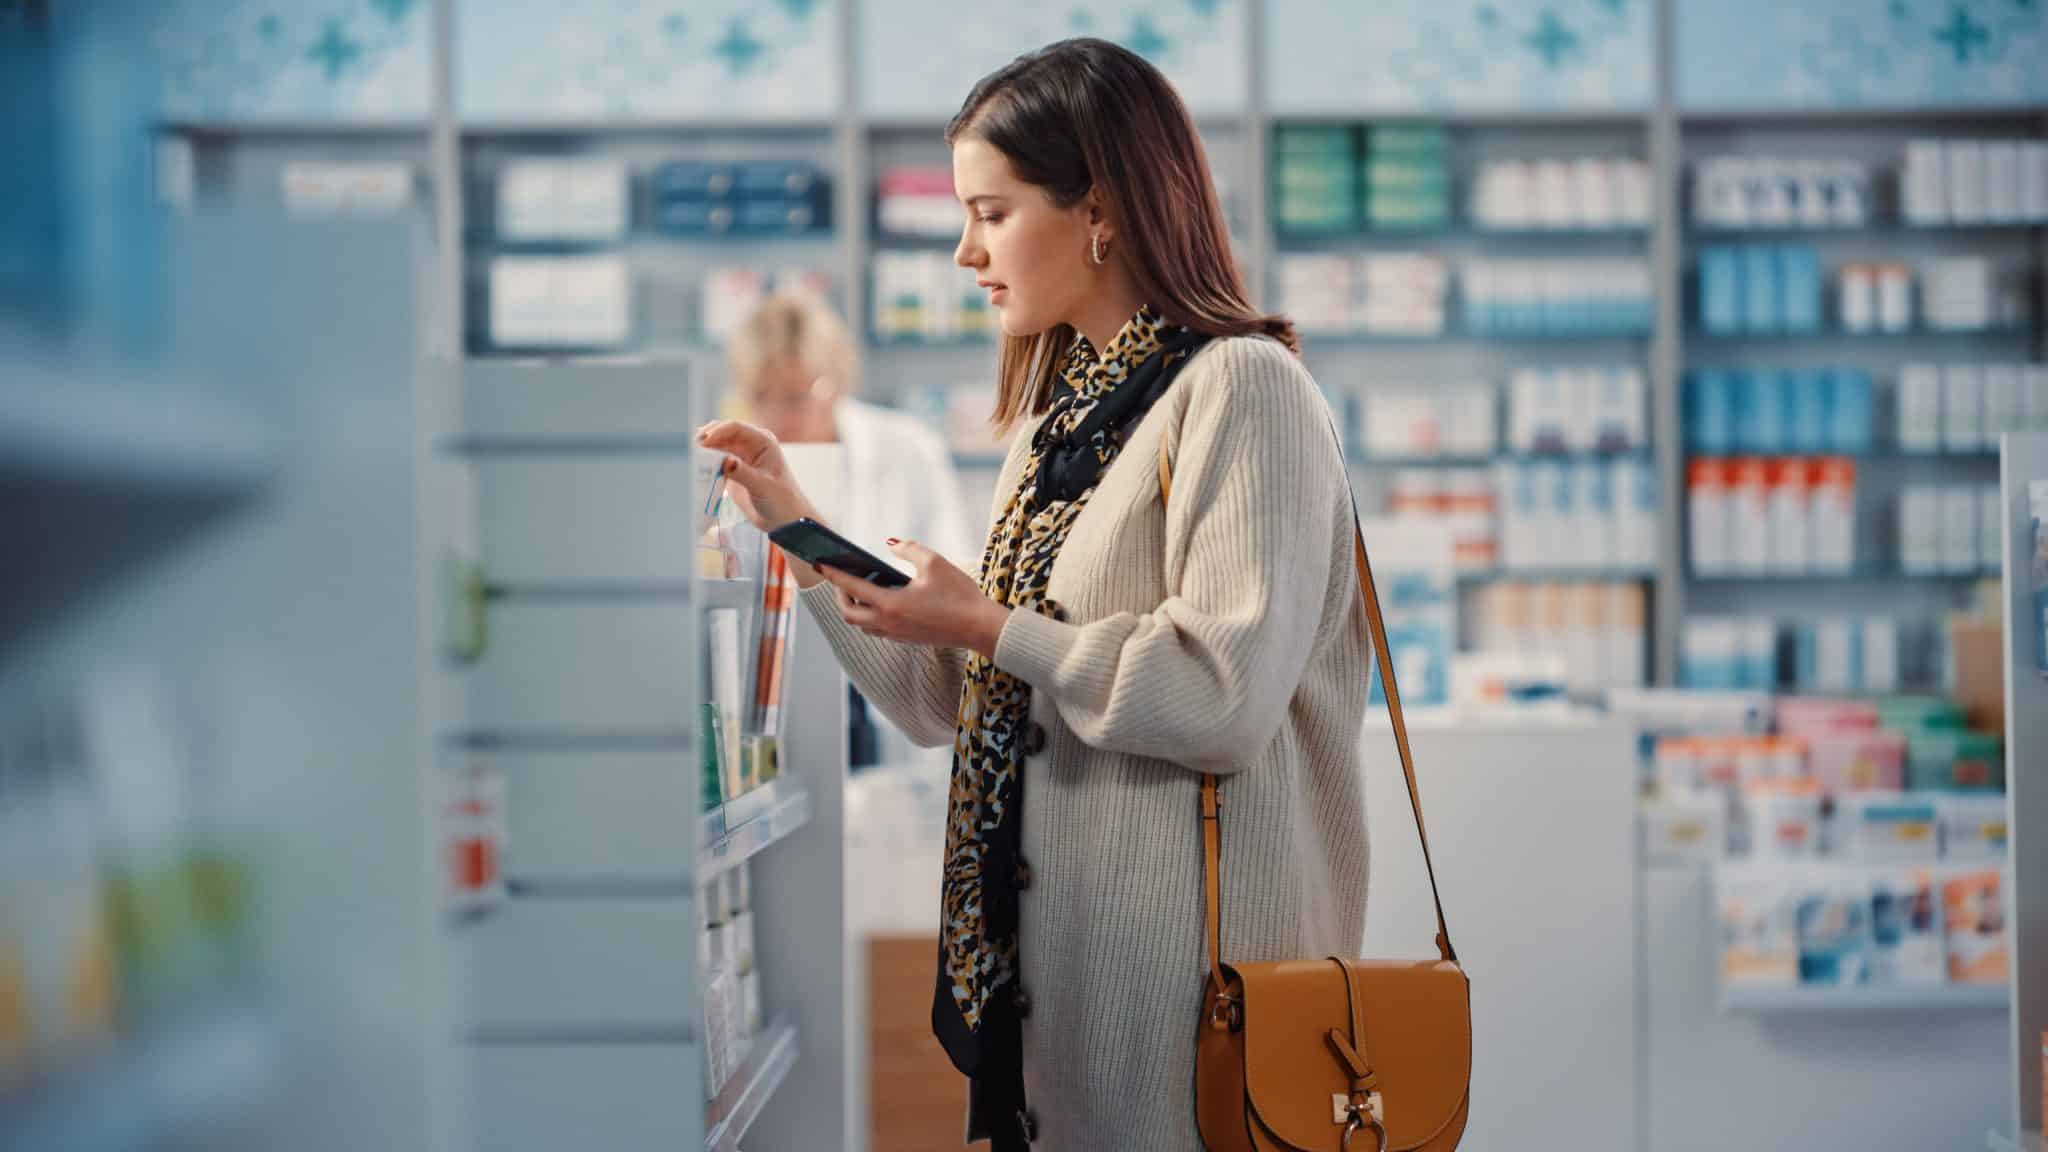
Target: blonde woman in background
[{"x": 793, "y": 372}]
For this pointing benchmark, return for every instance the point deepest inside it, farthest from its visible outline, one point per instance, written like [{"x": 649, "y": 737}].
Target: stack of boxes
[
  {"x": 732, "y": 984},
  {"x": 1860, "y": 845},
  {"x": 917, "y": 202},
  {"x": 925, "y": 297},
  {"x": 1760, "y": 288},
  {"x": 1333, "y": 179},
  {"x": 1316, "y": 179},
  {"x": 757, "y": 198},
  {"x": 1407, "y": 178}
]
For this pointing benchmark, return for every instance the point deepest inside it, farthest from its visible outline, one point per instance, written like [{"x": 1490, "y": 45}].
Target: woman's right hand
[{"x": 757, "y": 472}]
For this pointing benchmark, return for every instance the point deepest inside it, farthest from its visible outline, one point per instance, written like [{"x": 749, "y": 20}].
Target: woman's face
[
  {"x": 1030, "y": 255},
  {"x": 791, "y": 401}
]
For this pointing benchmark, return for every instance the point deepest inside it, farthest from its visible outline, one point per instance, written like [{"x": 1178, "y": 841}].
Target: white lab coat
[
  {"x": 889, "y": 475},
  {"x": 899, "y": 482}
]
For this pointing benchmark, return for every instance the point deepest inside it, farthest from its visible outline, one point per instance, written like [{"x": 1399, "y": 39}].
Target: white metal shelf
[
  {"x": 733, "y": 1111},
  {"x": 747, "y": 825},
  {"x": 1771, "y": 1001}
]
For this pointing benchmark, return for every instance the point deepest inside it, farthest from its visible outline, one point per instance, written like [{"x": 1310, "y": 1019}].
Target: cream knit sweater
[{"x": 1222, "y": 634}]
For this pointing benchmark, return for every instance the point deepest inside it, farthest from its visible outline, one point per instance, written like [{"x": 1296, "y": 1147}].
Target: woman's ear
[{"x": 1098, "y": 210}]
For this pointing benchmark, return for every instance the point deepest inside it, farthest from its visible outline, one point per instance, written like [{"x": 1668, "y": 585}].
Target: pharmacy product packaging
[
  {"x": 1973, "y": 919},
  {"x": 1905, "y": 927},
  {"x": 1758, "y": 917},
  {"x": 1833, "y": 926},
  {"x": 1887, "y": 828}
]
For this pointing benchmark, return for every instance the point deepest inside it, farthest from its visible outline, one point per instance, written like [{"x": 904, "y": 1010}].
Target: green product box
[
  {"x": 1408, "y": 140},
  {"x": 1954, "y": 761},
  {"x": 1911, "y": 714},
  {"x": 1317, "y": 140}
]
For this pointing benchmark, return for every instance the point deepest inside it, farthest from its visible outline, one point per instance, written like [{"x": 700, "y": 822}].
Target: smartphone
[{"x": 817, "y": 545}]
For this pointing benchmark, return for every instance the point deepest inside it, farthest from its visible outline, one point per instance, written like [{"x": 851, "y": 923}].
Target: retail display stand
[
  {"x": 575, "y": 676},
  {"x": 2025, "y": 461}
]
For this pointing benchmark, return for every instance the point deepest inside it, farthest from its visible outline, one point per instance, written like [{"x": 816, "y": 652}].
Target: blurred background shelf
[
  {"x": 1759, "y": 1001},
  {"x": 148, "y": 1092},
  {"x": 104, "y": 480}
]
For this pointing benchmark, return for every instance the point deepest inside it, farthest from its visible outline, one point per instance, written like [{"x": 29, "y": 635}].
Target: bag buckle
[
  {"x": 1223, "y": 1013},
  {"x": 1357, "y": 1113}
]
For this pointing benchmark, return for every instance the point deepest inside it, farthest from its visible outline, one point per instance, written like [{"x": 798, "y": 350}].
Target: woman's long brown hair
[{"x": 1084, "y": 114}]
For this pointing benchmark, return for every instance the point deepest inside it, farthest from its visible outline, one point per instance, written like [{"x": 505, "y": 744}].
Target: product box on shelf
[
  {"x": 1834, "y": 914},
  {"x": 1783, "y": 816},
  {"x": 1887, "y": 827},
  {"x": 1954, "y": 761},
  {"x": 1759, "y": 920},
  {"x": 1973, "y": 825},
  {"x": 1905, "y": 927},
  {"x": 1844, "y": 761},
  {"x": 1973, "y": 920}
]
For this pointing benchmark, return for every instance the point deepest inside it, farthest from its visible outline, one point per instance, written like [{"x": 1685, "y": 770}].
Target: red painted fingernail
[{"x": 894, "y": 540}]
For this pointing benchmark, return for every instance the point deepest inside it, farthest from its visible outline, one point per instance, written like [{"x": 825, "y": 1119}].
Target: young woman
[{"x": 1116, "y": 645}]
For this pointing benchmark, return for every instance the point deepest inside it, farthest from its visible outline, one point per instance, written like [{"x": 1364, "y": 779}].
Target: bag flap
[{"x": 1418, "y": 1038}]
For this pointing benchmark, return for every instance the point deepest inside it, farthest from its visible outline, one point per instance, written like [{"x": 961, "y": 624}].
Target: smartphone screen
[{"x": 815, "y": 544}]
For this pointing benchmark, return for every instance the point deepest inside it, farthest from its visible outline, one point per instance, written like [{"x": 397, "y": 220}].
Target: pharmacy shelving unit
[
  {"x": 1351, "y": 364},
  {"x": 1877, "y": 583},
  {"x": 2026, "y": 774},
  {"x": 580, "y": 1008},
  {"x": 667, "y": 270}
]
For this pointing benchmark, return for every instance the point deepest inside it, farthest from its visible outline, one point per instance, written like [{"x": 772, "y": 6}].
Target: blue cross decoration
[
  {"x": 1963, "y": 34},
  {"x": 334, "y": 51},
  {"x": 799, "y": 9},
  {"x": 394, "y": 10},
  {"x": 1145, "y": 39},
  {"x": 1552, "y": 40},
  {"x": 673, "y": 25},
  {"x": 739, "y": 48}
]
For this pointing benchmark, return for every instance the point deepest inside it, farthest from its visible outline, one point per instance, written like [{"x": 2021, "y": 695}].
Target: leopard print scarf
[{"x": 1097, "y": 399}]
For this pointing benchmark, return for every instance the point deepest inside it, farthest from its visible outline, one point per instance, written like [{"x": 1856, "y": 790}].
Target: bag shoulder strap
[{"x": 1212, "y": 803}]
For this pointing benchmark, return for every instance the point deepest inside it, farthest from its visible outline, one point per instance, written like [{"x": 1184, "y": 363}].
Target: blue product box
[
  {"x": 778, "y": 179},
  {"x": 1799, "y": 286},
  {"x": 1834, "y": 935},
  {"x": 778, "y": 216},
  {"x": 1742, "y": 411},
  {"x": 1812, "y": 415},
  {"x": 1720, "y": 290},
  {"x": 1852, "y": 424},
  {"x": 1771, "y": 409},
  {"x": 696, "y": 217},
  {"x": 1763, "y": 298},
  {"x": 694, "y": 180},
  {"x": 1710, "y": 417}
]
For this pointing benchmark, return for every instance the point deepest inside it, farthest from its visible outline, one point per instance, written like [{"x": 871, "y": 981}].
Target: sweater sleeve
[
  {"x": 1204, "y": 680},
  {"x": 915, "y": 685}
]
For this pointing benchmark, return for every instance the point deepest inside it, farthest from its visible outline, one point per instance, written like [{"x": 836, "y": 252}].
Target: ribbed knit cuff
[{"x": 1032, "y": 647}]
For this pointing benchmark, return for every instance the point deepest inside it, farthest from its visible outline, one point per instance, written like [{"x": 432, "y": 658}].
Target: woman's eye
[{"x": 990, "y": 218}]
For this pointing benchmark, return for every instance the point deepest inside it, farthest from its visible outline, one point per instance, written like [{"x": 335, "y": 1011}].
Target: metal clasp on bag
[
  {"x": 1358, "y": 1115},
  {"x": 1223, "y": 1013}
]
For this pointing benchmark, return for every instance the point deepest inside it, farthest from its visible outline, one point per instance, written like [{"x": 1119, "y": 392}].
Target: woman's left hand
[{"x": 941, "y": 606}]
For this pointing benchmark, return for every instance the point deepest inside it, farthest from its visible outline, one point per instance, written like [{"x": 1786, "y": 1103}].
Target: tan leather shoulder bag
[{"x": 1331, "y": 1055}]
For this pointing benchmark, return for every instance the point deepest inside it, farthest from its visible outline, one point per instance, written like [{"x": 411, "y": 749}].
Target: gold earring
[{"x": 1097, "y": 251}]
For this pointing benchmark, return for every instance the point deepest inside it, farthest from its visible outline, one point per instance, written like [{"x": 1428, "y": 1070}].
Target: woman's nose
[{"x": 967, "y": 254}]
